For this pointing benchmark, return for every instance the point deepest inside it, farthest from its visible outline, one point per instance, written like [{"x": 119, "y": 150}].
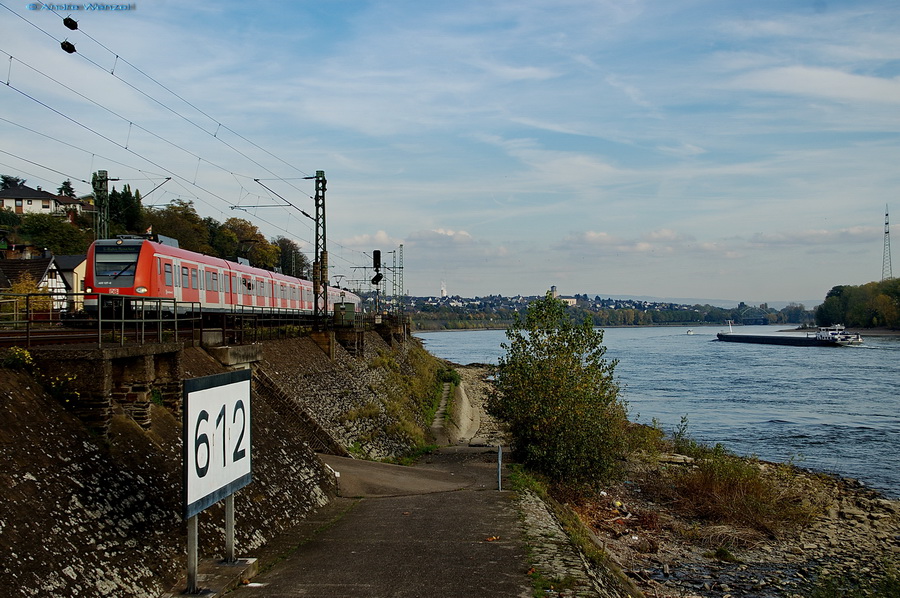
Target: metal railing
[
  {"x": 117, "y": 319},
  {"x": 38, "y": 318}
]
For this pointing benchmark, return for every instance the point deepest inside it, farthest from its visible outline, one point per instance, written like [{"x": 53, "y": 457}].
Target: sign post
[{"x": 216, "y": 453}]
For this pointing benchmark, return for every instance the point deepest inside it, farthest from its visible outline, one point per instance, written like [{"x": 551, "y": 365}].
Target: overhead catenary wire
[
  {"x": 110, "y": 140},
  {"x": 181, "y": 180},
  {"x": 156, "y": 101}
]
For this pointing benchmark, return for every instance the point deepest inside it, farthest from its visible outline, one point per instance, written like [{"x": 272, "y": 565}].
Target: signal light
[
  {"x": 376, "y": 259},
  {"x": 377, "y": 278}
]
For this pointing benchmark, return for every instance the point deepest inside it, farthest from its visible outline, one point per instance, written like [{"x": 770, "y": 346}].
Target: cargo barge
[{"x": 825, "y": 336}]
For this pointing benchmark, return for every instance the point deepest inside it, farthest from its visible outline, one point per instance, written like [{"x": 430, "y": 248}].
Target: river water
[{"x": 833, "y": 409}]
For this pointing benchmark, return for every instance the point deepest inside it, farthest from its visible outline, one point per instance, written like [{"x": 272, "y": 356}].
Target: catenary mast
[{"x": 886, "y": 271}]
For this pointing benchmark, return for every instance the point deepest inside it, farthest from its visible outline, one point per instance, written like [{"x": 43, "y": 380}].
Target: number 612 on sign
[{"x": 216, "y": 438}]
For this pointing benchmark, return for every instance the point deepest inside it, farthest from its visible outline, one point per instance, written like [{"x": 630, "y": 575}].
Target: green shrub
[
  {"x": 449, "y": 375},
  {"x": 17, "y": 358},
  {"x": 559, "y": 398}
]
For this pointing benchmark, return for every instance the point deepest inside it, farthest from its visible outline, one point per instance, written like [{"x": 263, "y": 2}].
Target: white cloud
[
  {"x": 823, "y": 83},
  {"x": 372, "y": 241}
]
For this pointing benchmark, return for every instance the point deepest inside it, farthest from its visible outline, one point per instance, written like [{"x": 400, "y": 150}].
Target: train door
[
  {"x": 211, "y": 292},
  {"x": 190, "y": 282},
  {"x": 164, "y": 281},
  {"x": 231, "y": 297}
]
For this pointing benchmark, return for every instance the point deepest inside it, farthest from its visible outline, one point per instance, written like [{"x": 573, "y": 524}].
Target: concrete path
[{"x": 439, "y": 529}]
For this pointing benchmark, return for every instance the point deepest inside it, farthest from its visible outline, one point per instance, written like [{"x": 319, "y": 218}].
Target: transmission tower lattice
[{"x": 886, "y": 271}]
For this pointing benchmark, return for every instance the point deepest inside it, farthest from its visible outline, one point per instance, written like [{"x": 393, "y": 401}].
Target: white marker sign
[{"x": 216, "y": 438}]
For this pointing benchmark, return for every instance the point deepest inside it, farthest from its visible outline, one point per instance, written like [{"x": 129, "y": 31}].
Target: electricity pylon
[{"x": 886, "y": 272}]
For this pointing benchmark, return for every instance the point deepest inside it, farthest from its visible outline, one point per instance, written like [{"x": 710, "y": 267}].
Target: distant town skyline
[{"x": 692, "y": 148}]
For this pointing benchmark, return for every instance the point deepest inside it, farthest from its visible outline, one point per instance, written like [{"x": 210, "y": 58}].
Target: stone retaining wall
[{"x": 96, "y": 509}]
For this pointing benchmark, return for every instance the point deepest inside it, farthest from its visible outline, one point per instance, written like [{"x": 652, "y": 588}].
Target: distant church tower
[
  {"x": 443, "y": 289},
  {"x": 886, "y": 271},
  {"x": 553, "y": 292}
]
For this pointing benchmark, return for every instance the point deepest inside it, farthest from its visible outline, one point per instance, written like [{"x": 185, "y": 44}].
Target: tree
[
  {"x": 252, "y": 244},
  {"x": 10, "y": 182},
  {"x": 25, "y": 284},
  {"x": 9, "y": 219},
  {"x": 57, "y": 235},
  {"x": 223, "y": 240},
  {"x": 292, "y": 261},
  {"x": 125, "y": 210},
  {"x": 66, "y": 189},
  {"x": 557, "y": 393},
  {"x": 180, "y": 221}
]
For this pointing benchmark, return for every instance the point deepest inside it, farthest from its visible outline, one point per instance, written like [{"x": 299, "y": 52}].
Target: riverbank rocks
[{"x": 857, "y": 533}]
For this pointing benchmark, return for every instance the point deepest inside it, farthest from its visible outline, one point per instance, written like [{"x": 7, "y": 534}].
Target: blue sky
[{"x": 679, "y": 148}]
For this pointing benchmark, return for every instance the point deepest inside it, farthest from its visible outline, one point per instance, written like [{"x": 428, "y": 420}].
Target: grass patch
[
  {"x": 720, "y": 487},
  {"x": 367, "y": 411}
]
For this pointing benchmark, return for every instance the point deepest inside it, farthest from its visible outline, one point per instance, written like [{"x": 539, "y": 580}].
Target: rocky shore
[{"x": 857, "y": 535}]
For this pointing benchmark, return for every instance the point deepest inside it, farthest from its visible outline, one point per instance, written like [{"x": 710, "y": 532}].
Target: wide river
[{"x": 829, "y": 409}]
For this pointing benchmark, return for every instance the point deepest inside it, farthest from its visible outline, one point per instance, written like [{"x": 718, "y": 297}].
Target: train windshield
[{"x": 115, "y": 264}]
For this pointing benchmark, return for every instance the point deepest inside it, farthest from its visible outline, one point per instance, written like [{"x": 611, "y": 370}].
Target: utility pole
[
  {"x": 886, "y": 271},
  {"x": 320, "y": 265},
  {"x": 100, "y": 183},
  {"x": 399, "y": 275}
]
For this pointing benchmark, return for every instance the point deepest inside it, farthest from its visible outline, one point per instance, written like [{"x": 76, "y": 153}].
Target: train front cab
[{"x": 117, "y": 270}]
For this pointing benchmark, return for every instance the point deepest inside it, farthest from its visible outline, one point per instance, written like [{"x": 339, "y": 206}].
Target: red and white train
[{"x": 140, "y": 267}]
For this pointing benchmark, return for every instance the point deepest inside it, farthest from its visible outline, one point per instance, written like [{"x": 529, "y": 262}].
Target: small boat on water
[
  {"x": 690, "y": 331},
  {"x": 825, "y": 336}
]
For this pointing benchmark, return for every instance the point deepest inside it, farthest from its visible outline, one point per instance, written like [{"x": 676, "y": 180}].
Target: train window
[
  {"x": 193, "y": 278},
  {"x": 168, "y": 271},
  {"x": 119, "y": 262},
  {"x": 158, "y": 266},
  {"x": 215, "y": 281},
  {"x": 185, "y": 277}
]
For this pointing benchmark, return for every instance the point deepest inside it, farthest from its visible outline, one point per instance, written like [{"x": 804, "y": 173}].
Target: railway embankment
[{"x": 90, "y": 511}]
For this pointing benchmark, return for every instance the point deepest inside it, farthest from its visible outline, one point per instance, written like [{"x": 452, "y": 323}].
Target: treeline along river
[{"x": 833, "y": 409}]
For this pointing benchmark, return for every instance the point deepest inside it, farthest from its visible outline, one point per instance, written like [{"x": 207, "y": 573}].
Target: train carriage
[{"x": 141, "y": 267}]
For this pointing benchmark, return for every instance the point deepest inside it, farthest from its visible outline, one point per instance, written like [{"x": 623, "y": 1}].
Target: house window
[
  {"x": 45, "y": 203},
  {"x": 29, "y": 202}
]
